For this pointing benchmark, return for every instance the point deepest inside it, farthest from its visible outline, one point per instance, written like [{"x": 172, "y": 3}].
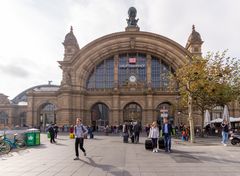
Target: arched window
[
  {"x": 102, "y": 75},
  {"x": 132, "y": 112},
  {"x": 160, "y": 73}
]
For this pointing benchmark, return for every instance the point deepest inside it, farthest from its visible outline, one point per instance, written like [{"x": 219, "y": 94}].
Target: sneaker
[
  {"x": 222, "y": 142},
  {"x": 85, "y": 154},
  {"x": 225, "y": 145},
  {"x": 77, "y": 158}
]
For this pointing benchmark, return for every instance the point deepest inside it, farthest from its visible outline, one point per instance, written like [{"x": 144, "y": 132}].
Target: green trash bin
[{"x": 33, "y": 137}]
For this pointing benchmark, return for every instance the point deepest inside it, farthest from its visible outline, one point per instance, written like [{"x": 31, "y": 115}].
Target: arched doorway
[
  {"x": 165, "y": 109},
  {"x": 99, "y": 115},
  {"x": 132, "y": 112},
  {"x": 47, "y": 113}
]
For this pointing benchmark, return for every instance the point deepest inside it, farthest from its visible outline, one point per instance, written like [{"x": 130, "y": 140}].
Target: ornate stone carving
[
  {"x": 132, "y": 42},
  {"x": 66, "y": 81}
]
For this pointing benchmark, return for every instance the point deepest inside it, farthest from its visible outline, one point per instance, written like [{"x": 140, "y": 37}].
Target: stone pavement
[{"x": 108, "y": 156}]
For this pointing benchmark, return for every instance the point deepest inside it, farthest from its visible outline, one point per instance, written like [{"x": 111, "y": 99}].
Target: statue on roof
[{"x": 132, "y": 21}]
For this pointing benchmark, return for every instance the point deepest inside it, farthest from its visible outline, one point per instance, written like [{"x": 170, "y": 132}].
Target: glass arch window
[
  {"x": 132, "y": 64},
  {"x": 102, "y": 75},
  {"x": 160, "y": 72}
]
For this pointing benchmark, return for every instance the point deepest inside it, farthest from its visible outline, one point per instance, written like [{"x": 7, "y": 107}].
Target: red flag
[{"x": 132, "y": 60}]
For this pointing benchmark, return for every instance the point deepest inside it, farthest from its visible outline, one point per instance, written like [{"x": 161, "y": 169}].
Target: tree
[{"x": 207, "y": 82}]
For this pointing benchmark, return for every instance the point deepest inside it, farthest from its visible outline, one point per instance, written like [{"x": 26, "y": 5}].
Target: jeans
[
  {"x": 224, "y": 137},
  {"x": 79, "y": 141},
  {"x": 167, "y": 142},
  {"x": 154, "y": 142}
]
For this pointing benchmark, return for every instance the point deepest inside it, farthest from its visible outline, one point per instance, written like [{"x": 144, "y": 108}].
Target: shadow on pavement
[
  {"x": 113, "y": 170},
  {"x": 196, "y": 157}
]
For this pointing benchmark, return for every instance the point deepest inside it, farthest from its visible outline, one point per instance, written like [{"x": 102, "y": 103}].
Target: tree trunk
[
  {"x": 190, "y": 118},
  {"x": 202, "y": 124}
]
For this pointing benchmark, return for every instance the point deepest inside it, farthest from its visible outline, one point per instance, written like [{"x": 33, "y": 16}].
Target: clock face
[{"x": 132, "y": 78}]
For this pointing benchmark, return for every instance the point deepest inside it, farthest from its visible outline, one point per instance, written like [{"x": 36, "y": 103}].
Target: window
[
  {"x": 102, "y": 76},
  {"x": 3, "y": 118},
  {"x": 160, "y": 73},
  {"x": 136, "y": 67}
]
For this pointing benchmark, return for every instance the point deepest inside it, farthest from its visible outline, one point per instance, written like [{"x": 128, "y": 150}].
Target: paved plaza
[{"x": 109, "y": 156}]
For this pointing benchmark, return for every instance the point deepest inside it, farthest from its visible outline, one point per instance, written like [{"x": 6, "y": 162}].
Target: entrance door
[
  {"x": 47, "y": 115},
  {"x": 132, "y": 112},
  {"x": 99, "y": 116}
]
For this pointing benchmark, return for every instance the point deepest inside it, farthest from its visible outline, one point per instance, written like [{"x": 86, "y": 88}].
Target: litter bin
[{"x": 32, "y": 137}]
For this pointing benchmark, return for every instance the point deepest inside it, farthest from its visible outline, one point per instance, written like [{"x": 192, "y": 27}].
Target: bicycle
[
  {"x": 15, "y": 143},
  {"x": 4, "y": 146}
]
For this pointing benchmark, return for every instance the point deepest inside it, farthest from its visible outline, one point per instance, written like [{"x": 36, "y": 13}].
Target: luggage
[
  {"x": 71, "y": 135},
  {"x": 161, "y": 143},
  {"x": 148, "y": 144},
  {"x": 125, "y": 138}
]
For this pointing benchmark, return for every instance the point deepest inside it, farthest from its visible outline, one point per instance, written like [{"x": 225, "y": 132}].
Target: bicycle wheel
[
  {"x": 4, "y": 147},
  {"x": 20, "y": 143}
]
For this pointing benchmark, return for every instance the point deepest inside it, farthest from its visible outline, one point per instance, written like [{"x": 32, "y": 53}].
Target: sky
[{"x": 32, "y": 31}]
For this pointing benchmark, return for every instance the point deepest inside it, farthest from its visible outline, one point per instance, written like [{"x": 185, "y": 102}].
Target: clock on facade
[{"x": 132, "y": 78}]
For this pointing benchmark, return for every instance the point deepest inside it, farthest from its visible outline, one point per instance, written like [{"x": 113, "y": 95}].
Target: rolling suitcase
[
  {"x": 161, "y": 143},
  {"x": 148, "y": 144}
]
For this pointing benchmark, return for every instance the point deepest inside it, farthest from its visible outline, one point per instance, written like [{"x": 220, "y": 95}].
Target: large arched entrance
[
  {"x": 165, "y": 109},
  {"x": 132, "y": 112},
  {"x": 99, "y": 115},
  {"x": 47, "y": 114}
]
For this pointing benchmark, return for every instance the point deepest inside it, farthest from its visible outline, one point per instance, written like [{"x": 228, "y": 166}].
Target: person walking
[
  {"x": 79, "y": 131},
  {"x": 52, "y": 133},
  {"x": 55, "y": 131},
  {"x": 225, "y": 130},
  {"x": 167, "y": 131},
  {"x": 136, "y": 132},
  {"x": 154, "y": 135}
]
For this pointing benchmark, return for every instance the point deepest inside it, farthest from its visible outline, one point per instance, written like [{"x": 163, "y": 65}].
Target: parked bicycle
[{"x": 6, "y": 144}]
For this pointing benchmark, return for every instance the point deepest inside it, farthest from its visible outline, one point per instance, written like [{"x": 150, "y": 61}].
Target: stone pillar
[
  {"x": 148, "y": 119},
  {"x": 65, "y": 114},
  {"x": 149, "y": 76},
  {"x": 116, "y": 61},
  {"x": 30, "y": 109},
  {"x": 115, "y": 119}
]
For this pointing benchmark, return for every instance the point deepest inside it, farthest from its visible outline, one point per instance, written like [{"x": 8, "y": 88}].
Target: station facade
[{"x": 119, "y": 77}]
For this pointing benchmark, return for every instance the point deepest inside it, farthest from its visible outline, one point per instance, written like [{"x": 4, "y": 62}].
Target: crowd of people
[{"x": 131, "y": 130}]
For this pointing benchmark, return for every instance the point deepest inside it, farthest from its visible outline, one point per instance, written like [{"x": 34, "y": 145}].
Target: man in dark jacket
[
  {"x": 52, "y": 133},
  {"x": 167, "y": 131},
  {"x": 136, "y": 131}
]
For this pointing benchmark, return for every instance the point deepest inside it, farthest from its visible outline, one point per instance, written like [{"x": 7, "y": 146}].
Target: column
[
  {"x": 116, "y": 61},
  {"x": 149, "y": 58}
]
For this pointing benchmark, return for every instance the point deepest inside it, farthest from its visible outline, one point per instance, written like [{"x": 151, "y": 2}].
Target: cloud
[{"x": 14, "y": 71}]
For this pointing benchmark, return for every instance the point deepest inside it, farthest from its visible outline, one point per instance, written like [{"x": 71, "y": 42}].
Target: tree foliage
[{"x": 210, "y": 81}]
